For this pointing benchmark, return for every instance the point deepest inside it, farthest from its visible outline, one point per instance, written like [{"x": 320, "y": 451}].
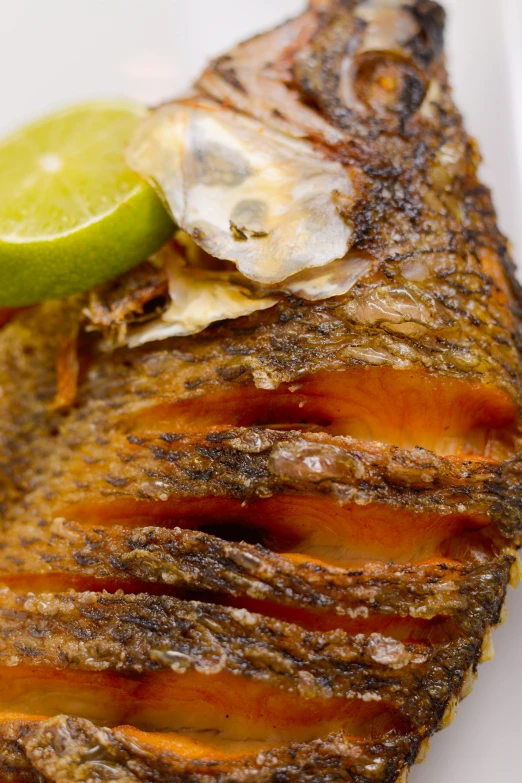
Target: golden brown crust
[
  {"x": 64, "y": 747},
  {"x": 125, "y": 511}
]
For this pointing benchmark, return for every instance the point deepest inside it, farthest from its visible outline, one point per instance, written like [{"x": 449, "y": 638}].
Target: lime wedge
[{"x": 72, "y": 214}]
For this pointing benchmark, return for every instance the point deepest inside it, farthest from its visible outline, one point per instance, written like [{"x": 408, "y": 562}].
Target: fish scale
[{"x": 274, "y": 551}]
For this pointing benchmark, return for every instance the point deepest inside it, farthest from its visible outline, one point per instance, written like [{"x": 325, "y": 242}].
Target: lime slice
[{"x": 72, "y": 214}]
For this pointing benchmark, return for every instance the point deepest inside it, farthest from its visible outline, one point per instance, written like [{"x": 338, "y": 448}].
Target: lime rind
[{"x": 72, "y": 214}]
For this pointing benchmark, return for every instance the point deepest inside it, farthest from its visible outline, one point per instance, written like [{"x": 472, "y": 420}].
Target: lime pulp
[{"x": 72, "y": 214}]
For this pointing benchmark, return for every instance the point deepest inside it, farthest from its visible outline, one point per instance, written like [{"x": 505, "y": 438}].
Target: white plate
[{"x": 55, "y": 51}]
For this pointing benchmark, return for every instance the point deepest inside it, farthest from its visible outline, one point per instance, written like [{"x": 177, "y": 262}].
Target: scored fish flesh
[{"x": 272, "y": 550}]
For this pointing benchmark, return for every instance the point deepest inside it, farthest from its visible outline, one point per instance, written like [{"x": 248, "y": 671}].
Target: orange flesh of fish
[{"x": 274, "y": 551}]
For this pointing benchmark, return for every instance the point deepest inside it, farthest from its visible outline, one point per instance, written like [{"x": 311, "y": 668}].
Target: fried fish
[{"x": 270, "y": 547}]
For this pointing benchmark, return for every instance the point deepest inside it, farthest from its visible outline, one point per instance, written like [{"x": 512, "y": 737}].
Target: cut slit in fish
[{"x": 309, "y": 514}]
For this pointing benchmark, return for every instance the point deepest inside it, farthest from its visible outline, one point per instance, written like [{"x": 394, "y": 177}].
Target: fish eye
[{"x": 387, "y": 82}]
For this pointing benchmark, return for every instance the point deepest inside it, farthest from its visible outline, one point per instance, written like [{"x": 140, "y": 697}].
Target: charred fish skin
[{"x": 310, "y": 513}]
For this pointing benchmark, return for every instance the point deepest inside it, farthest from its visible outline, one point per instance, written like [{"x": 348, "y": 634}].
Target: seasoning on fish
[{"x": 269, "y": 545}]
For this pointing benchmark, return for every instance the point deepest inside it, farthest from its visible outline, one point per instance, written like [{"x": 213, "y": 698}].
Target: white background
[{"x": 55, "y": 51}]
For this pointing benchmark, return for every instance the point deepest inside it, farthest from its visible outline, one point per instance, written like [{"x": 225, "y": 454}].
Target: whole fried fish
[{"x": 272, "y": 550}]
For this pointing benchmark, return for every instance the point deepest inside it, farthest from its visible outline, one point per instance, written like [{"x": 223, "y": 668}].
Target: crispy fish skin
[
  {"x": 251, "y": 464},
  {"x": 178, "y": 558},
  {"x": 139, "y": 634},
  {"x": 63, "y": 747},
  {"x": 96, "y": 496}
]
